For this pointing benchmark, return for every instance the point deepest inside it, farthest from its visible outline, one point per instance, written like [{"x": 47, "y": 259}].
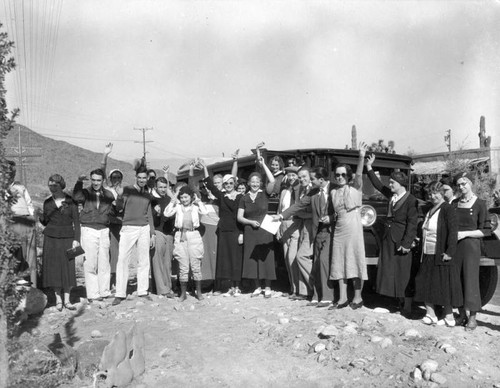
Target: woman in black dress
[
  {"x": 62, "y": 232},
  {"x": 258, "y": 249},
  {"x": 438, "y": 279},
  {"x": 472, "y": 215},
  {"x": 395, "y": 263},
  {"x": 229, "y": 252}
]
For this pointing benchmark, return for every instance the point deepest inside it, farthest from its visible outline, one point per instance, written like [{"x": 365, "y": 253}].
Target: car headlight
[
  {"x": 494, "y": 221},
  {"x": 368, "y": 215}
]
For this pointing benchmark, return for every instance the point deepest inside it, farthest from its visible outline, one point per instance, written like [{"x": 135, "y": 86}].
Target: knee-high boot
[
  {"x": 182, "y": 297},
  {"x": 199, "y": 295}
]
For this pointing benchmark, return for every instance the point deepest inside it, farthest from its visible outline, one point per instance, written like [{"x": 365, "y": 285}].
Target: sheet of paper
[{"x": 269, "y": 225}]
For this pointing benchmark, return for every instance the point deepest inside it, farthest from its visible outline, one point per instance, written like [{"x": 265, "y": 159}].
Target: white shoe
[
  {"x": 237, "y": 292},
  {"x": 230, "y": 292},
  {"x": 257, "y": 292}
]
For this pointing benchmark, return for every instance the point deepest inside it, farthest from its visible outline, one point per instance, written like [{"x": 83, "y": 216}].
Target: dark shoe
[
  {"x": 356, "y": 306},
  {"x": 471, "y": 324},
  {"x": 337, "y": 306},
  {"x": 117, "y": 301},
  {"x": 461, "y": 321},
  {"x": 323, "y": 304},
  {"x": 312, "y": 303}
]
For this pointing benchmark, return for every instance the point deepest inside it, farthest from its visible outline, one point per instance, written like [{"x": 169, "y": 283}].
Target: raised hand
[
  {"x": 235, "y": 154},
  {"x": 370, "y": 159},
  {"x": 108, "y": 148},
  {"x": 363, "y": 147},
  {"x": 82, "y": 178}
]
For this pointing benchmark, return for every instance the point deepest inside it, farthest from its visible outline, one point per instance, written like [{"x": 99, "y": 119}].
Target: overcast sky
[{"x": 213, "y": 76}]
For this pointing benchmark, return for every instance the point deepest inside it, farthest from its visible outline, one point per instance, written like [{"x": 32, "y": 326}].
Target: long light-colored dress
[{"x": 348, "y": 253}]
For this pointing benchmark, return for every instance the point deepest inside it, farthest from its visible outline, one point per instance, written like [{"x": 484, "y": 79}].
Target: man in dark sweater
[
  {"x": 94, "y": 219},
  {"x": 137, "y": 228}
]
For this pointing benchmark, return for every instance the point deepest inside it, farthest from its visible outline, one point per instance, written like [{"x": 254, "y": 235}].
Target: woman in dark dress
[
  {"x": 229, "y": 252},
  {"x": 258, "y": 249},
  {"x": 394, "y": 266},
  {"x": 62, "y": 232},
  {"x": 472, "y": 215},
  {"x": 438, "y": 279}
]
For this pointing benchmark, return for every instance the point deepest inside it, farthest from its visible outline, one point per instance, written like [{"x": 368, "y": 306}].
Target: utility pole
[
  {"x": 21, "y": 154},
  {"x": 447, "y": 139},
  {"x": 143, "y": 141}
]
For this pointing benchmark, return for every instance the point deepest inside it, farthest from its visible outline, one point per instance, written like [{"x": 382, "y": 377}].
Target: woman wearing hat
[
  {"x": 472, "y": 215},
  {"x": 62, "y": 232},
  {"x": 258, "y": 250},
  {"x": 348, "y": 253},
  {"x": 394, "y": 266},
  {"x": 229, "y": 249}
]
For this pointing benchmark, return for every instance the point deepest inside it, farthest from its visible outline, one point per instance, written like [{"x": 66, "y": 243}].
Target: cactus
[{"x": 354, "y": 138}]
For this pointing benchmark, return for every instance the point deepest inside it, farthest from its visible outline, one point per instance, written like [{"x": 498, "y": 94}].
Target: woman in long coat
[
  {"x": 394, "y": 266},
  {"x": 62, "y": 232},
  {"x": 438, "y": 279},
  {"x": 472, "y": 214}
]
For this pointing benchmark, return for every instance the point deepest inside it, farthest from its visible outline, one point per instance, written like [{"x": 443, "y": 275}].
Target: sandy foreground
[{"x": 256, "y": 342}]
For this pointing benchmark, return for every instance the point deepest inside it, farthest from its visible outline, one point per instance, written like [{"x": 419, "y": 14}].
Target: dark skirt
[
  {"x": 394, "y": 271},
  {"x": 229, "y": 256},
  {"x": 438, "y": 284},
  {"x": 468, "y": 259},
  {"x": 209, "y": 261},
  {"x": 57, "y": 270},
  {"x": 258, "y": 254}
]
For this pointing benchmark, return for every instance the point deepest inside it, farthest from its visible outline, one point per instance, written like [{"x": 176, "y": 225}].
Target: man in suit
[{"x": 322, "y": 233}]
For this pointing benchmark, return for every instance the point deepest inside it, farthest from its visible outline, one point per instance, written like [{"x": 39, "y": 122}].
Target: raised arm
[
  {"x": 358, "y": 178},
  {"x": 269, "y": 175},
  {"x": 78, "y": 192},
  {"x": 104, "y": 161},
  {"x": 374, "y": 179},
  {"x": 234, "y": 169}
]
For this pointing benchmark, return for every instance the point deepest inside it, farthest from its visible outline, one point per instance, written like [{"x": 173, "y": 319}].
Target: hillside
[{"x": 55, "y": 157}]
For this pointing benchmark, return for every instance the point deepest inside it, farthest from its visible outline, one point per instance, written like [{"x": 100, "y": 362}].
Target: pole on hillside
[
  {"x": 144, "y": 152},
  {"x": 447, "y": 139}
]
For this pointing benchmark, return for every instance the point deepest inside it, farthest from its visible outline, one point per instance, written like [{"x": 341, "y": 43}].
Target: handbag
[{"x": 74, "y": 252}]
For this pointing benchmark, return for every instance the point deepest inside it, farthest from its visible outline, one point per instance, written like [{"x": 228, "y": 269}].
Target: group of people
[{"x": 320, "y": 231}]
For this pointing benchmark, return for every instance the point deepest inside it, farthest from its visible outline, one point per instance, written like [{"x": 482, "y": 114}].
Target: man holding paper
[{"x": 322, "y": 232}]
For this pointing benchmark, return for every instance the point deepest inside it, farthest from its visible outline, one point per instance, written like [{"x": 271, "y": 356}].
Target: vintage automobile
[{"x": 374, "y": 209}]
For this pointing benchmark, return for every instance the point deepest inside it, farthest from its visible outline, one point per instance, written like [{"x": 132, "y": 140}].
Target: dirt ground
[{"x": 256, "y": 342}]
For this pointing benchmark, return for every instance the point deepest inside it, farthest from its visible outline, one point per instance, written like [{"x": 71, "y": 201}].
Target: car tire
[{"x": 488, "y": 278}]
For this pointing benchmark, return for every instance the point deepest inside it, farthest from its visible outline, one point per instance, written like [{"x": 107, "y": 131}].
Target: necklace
[{"x": 465, "y": 200}]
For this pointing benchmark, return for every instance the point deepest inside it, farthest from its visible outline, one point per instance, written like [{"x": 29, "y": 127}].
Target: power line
[{"x": 143, "y": 141}]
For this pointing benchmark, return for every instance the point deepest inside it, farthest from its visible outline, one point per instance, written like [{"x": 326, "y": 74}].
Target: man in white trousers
[{"x": 137, "y": 228}]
